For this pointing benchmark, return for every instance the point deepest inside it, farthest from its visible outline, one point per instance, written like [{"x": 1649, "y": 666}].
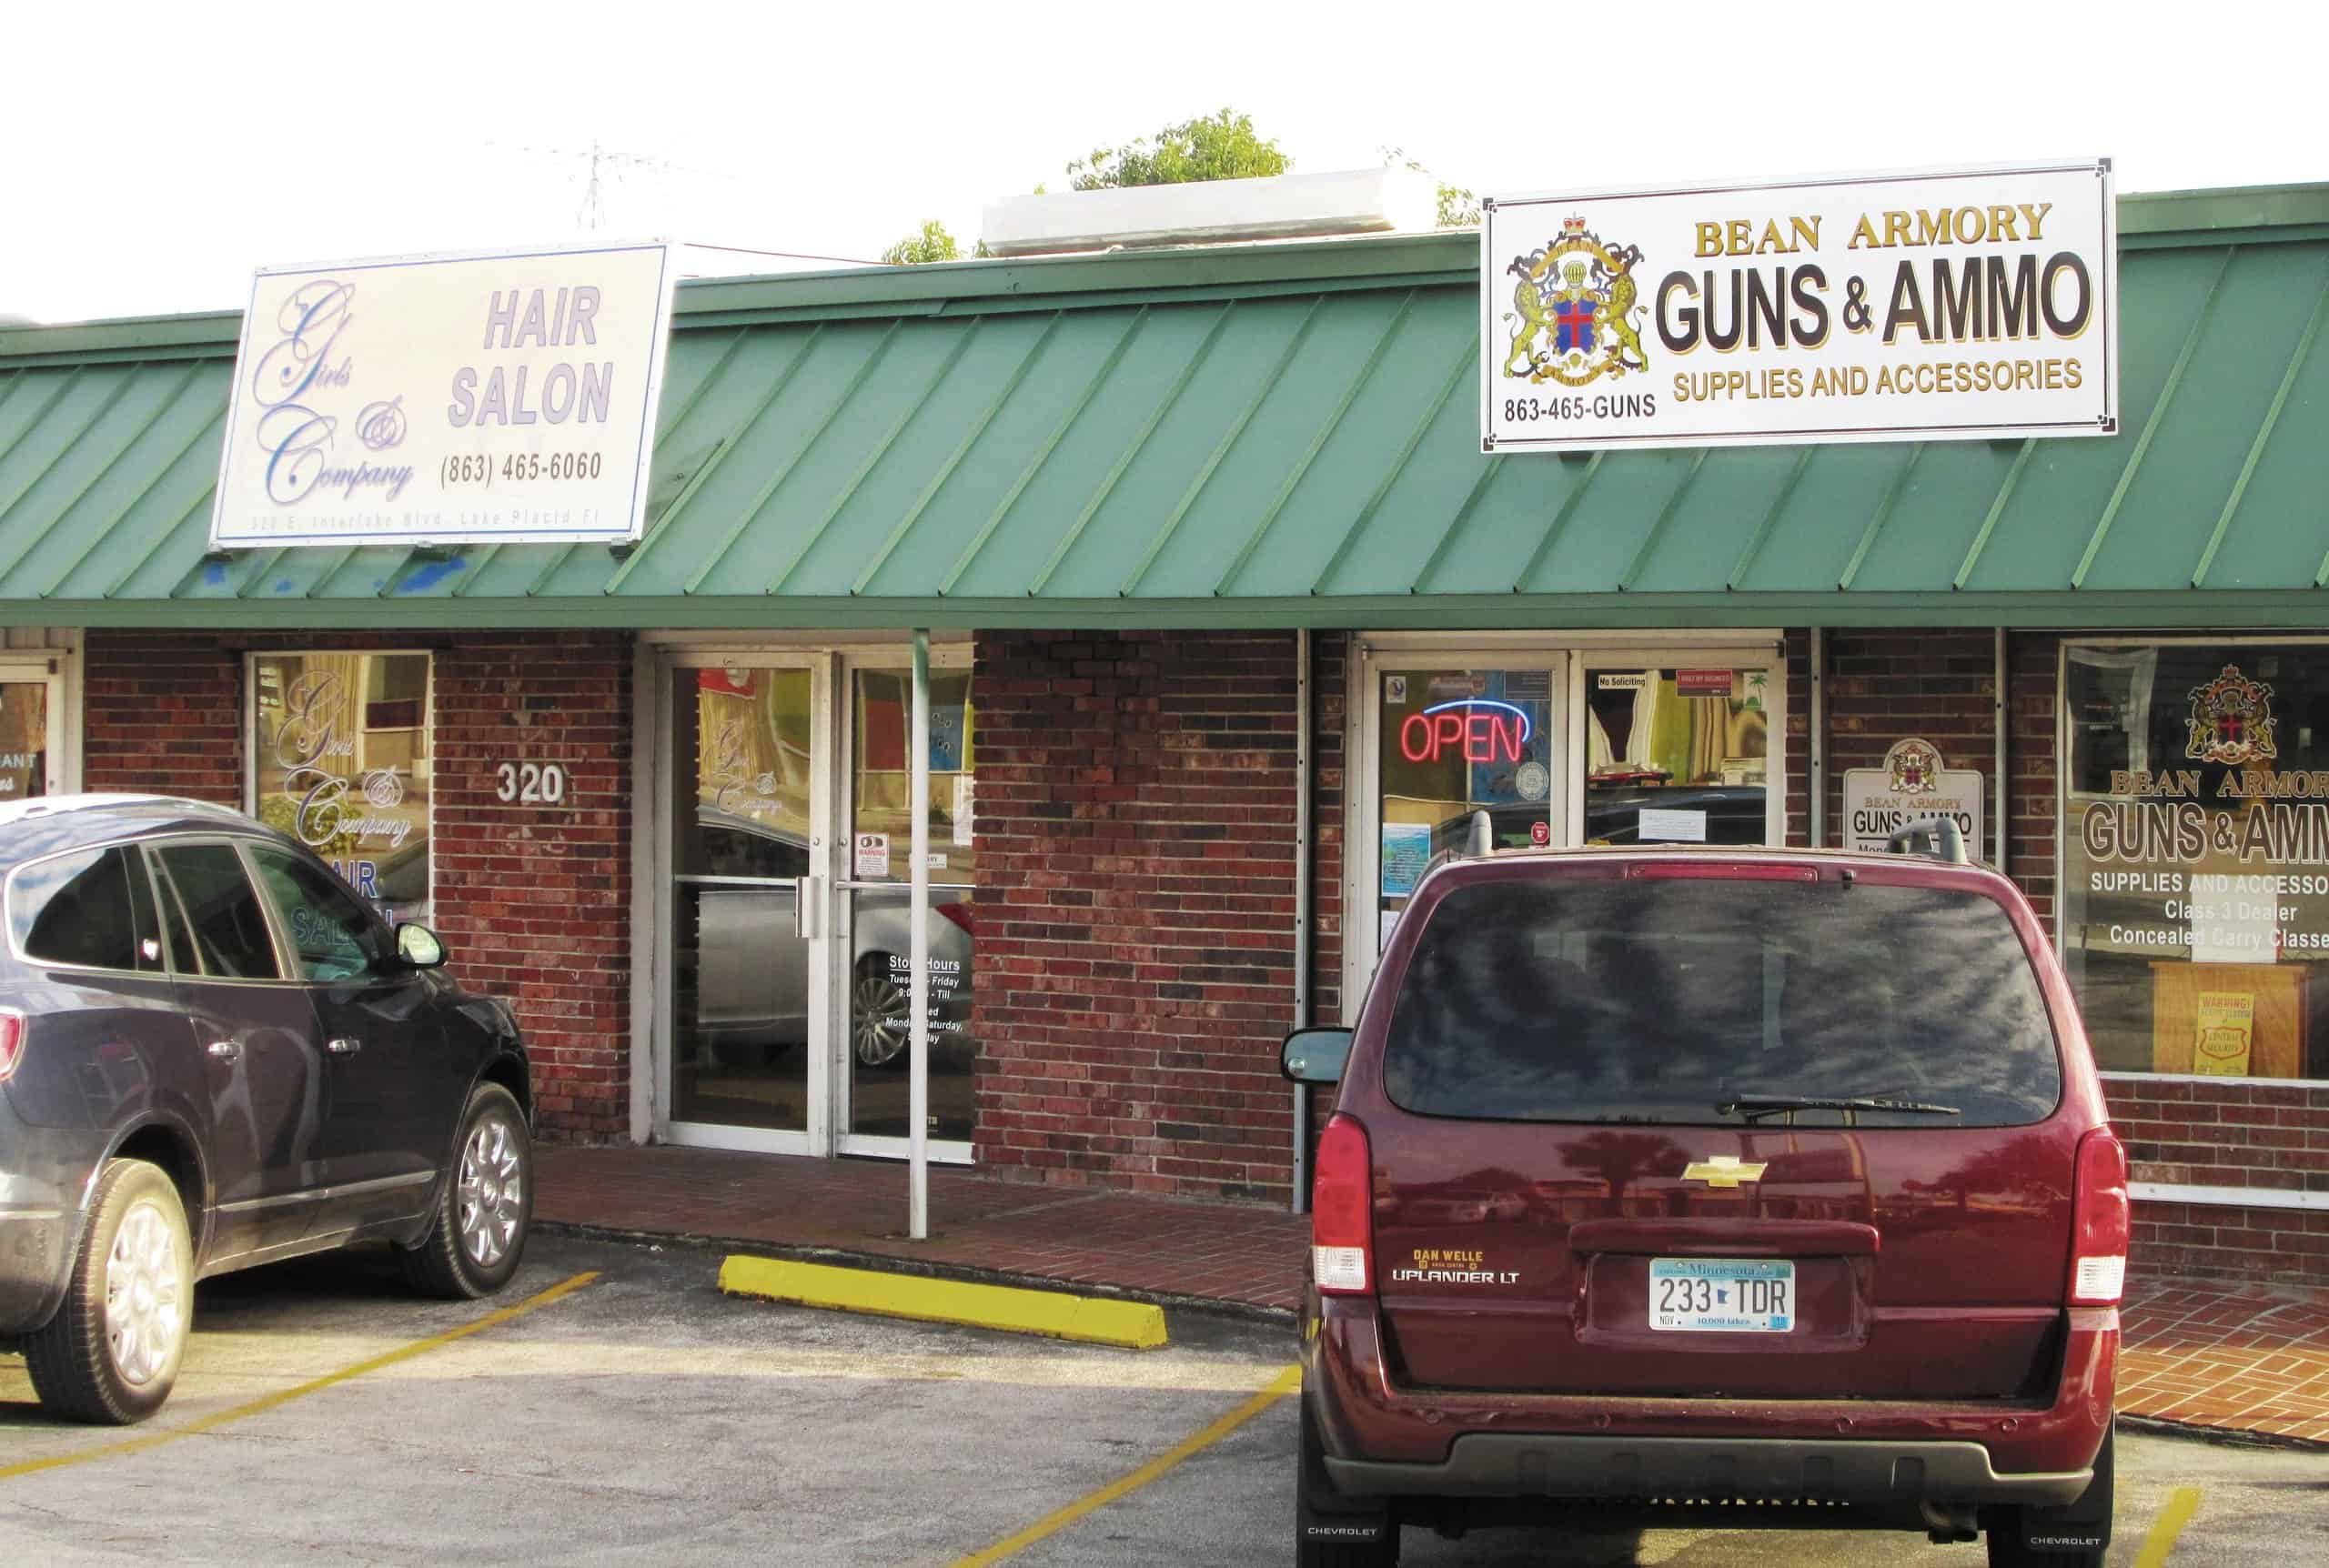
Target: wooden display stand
[{"x": 2276, "y": 1046}]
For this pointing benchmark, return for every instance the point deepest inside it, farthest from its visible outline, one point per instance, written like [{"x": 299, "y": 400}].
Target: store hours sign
[
  {"x": 478, "y": 399},
  {"x": 1884, "y": 308}
]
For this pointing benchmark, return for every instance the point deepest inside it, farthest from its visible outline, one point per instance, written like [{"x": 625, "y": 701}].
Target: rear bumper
[
  {"x": 1609, "y": 1469},
  {"x": 1380, "y": 1440}
]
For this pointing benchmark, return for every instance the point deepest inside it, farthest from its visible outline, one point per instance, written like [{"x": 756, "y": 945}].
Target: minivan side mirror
[
  {"x": 419, "y": 947},
  {"x": 1315, "y": 1055}
]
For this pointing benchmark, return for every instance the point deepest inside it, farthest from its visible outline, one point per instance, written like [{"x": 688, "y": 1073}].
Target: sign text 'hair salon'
[
  {"x": 446, "y": 399},
  {"x": 1879, "y": 307}
]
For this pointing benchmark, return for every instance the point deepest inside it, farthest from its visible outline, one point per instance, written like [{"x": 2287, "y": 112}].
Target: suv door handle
[
  {"x": 225, "y": 1051},
  {"x": 345, "y": 1046}
]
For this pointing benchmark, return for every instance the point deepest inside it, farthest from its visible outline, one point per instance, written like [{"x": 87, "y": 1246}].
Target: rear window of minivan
[{"x": 1661, "y": 1000}]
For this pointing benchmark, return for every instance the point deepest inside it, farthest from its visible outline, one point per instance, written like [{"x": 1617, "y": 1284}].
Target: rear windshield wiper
[{"x": 1753, "y": 1106}]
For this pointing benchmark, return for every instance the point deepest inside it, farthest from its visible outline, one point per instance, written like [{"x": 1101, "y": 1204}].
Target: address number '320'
[{"x": 531, "y": 783}]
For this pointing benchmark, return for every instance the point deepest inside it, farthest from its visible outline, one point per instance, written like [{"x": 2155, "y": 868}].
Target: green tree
[
  {"x": 1218, "y": 146},
  {"x": 932, "y": 243}
]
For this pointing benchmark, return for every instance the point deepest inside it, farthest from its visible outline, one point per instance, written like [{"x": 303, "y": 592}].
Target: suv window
[
  {"x": 1658, "y": 999},
  {"x": 225, "y": 927},
  {"x": 332, "y": 936},
  {"x": 91, "y": 908}
]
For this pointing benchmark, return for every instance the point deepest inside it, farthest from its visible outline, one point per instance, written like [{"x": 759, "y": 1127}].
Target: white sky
[{"x": 147, "y": 164}]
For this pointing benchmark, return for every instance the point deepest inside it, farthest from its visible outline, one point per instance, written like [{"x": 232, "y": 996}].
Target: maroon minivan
[{"x": 1690, "y": 1187}]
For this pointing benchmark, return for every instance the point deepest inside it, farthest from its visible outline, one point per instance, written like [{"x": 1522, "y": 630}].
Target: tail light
[
  {"x": 961, "y": 915},
  {"x": 1342, "y": 1213},
  {"x": 12, "y": 1040},
  {"x": 2098, "y": 1221}
]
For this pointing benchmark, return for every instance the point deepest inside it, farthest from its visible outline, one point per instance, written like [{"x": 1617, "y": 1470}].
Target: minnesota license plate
[{"x": 1721, "y": 1295}]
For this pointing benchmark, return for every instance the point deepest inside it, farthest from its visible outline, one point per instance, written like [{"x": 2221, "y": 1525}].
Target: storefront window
[
  {"x": 2195, "y": 854},
  {"x": 1676, "y": 756},
  {"x": 341, "y": 756}
]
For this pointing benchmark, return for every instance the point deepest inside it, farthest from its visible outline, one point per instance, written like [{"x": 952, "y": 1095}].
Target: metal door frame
[{"x": 816, "y": 1136}]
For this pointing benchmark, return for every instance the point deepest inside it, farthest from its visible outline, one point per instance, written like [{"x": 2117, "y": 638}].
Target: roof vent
[{"x": 1213, "y": 212}]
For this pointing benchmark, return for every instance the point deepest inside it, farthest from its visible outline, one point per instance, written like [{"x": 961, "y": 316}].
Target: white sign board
[
  {"x": 1881, "y": 307},
  {"x": 487, "y": 398},
  {"x": 1911, "y": 786}
]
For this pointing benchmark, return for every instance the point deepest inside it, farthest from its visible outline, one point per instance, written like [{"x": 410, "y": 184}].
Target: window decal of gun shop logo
[
  {"x": 1576, "y": 315},
  {"x": 2231, "y": 721}
]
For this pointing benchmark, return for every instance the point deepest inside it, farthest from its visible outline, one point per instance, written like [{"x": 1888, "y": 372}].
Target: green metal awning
[{"x": 1264, "y": 435}]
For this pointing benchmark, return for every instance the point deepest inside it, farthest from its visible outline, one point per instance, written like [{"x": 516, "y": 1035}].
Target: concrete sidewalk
[{"x": 2225, "y": 1358}]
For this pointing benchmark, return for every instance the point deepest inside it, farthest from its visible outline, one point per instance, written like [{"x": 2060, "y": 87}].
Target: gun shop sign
[{"x": 1975, "y": 305}]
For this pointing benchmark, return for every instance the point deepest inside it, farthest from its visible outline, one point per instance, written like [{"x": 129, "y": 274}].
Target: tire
[
  {"x": 2008, "y": 1529},
  {"x": 1370, "y": 1532},
  {"x": 485, "y": 1206},
  {"x": 879, "y": 1016},
  {"x": 111, "y": 1354}
]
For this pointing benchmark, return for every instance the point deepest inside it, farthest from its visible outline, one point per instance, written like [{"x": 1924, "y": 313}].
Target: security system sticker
[{"x": 873, "y": 858}]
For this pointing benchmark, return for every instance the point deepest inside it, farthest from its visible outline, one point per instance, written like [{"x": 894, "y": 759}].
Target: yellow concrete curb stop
[{"x": 1132, "y": 1325}]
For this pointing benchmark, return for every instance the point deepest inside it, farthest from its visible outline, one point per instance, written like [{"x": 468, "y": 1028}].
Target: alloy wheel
[
  {"x": 146, "y": 1290},
  {"x": 491, "y": 1194},
  {"x": 878, "y": 1019}
]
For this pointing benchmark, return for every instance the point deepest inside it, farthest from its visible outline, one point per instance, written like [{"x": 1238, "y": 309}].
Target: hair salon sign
[
  {"x": 1880, "y": 307},
  {"x": 492, "y": 398}
]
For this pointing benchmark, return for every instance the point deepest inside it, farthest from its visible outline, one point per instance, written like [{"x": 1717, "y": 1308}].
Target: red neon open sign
[{"x": 1481, "y": 728}]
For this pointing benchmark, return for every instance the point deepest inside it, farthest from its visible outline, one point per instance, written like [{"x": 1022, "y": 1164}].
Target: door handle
[
  {"x": 803, "y": 923},
  {"x": 344, "y": 1046},
  {"x": 225, "y": 1050}
]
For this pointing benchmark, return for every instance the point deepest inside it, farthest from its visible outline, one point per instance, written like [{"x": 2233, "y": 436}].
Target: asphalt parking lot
[{"x": 612, "y": 1407}]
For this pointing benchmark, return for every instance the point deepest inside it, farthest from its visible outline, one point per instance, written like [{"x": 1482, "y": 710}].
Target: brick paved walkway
[
  {"x": 2197, "y": 1352},
  {"x": 1232, "y": 1253},
  {"x": 2242, "y": 1358}
]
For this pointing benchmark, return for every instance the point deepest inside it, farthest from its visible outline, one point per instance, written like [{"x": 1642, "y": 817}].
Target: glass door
[
  {"x": 28, "y": 738},
  {"x": 747, "y": 987},
  {"x": 1452, "y": 736},
  {"x": 873, "y": 914}
]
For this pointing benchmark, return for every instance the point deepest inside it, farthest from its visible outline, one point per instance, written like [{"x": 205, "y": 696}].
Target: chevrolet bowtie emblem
[{"x": 1724, "y": 1171}]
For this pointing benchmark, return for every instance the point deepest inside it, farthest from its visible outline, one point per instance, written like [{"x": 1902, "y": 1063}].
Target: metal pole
[
  {"x": 2001, "y": 796},
  {"x": 1301, "y": 1198},
  {"x": 1816, "y": 745},
  {"x": 918, "y": 954}
]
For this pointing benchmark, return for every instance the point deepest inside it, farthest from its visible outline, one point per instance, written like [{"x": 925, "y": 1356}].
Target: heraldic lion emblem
[{"x": 1576, "y": 314}]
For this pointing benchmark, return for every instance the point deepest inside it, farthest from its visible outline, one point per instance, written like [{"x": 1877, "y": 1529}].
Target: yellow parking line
[
  {"x": 269, "y": 1402},
  {"x": 2182, "y": 1503},
  {"x": 1285, "y": 1383}
]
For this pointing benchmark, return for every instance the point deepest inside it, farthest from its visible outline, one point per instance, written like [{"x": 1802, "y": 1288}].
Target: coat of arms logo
[
  {"x": 1576, "y": 312},
  {"x": 2231, "y": 721},
  {"x": 1912, "y": 767}
]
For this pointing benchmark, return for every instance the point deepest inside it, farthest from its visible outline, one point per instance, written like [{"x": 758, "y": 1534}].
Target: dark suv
[
  {"x": 213, "y": 1055},
  {"x": 1788, "y": 1198}
]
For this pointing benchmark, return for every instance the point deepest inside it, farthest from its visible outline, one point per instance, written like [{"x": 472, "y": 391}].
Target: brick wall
[
  {"x": 533, "y": 902},
  {"x": 1136, "y": 819},
  {"x": 1885, "y": 686}
]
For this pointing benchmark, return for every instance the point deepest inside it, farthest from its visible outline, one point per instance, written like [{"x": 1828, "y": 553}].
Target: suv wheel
[
  {"x": 1331, "y": 1531},
  {"x": 881, "y": 1014},
  {"x": 484, "y": 1207},
  {"x": 111, "y": 1354}
]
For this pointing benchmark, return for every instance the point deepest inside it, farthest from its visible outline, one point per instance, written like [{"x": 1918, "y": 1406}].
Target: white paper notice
[
  {"x": 965, "y": 786},
  {"x": 872, "y": 856},
  {"x": 1390, "y": 924},
  {"x": 1672, "y": 827}
]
